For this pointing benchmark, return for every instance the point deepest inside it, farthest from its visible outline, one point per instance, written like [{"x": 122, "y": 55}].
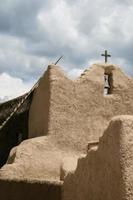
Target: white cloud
[
  {"x": 11, "y": 87},
  {"x": 74, "y": 73}
]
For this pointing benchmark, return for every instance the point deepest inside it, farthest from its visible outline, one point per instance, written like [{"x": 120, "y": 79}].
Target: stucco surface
[
  {"x": 39, "y": 110},
  {"x": 67, "y": 114},
  {"x": 77, "y": 111},
  {"x": 30, "y": 190},
  {"x": 106, "y": 172},
  {"x": 37, "y": 158}
]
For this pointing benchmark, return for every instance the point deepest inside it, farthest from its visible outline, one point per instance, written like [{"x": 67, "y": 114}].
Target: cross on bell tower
[{"x": 106, "y": 55}]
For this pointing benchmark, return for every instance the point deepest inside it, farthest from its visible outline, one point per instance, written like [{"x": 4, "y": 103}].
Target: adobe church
[{"x": 69, "y": 139}]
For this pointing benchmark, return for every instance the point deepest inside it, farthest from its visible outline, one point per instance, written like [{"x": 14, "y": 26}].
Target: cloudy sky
[{"x": 34, "y": 33}]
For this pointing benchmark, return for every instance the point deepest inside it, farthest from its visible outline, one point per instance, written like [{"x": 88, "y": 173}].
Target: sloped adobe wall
[
  {"x": 105, "y": 173},
  {"x": 39, "y": 110}
]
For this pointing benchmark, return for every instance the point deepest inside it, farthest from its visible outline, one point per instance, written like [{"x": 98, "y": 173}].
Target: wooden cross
[{"x": 106, "y": 55}]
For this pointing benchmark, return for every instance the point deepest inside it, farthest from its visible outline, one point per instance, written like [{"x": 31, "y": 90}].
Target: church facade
[{"x": 62, "y": 127}]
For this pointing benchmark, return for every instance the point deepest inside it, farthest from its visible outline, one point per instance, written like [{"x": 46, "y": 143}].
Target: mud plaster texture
[
  {"x": 64, "y": 116},
  {"x": 106, "y": 172},
  {"x": 29, "y": 190},
  {"x": 75, "y": 112}
]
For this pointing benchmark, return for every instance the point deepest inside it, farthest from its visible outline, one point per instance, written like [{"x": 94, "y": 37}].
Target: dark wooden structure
[{"x": 16, "y": 129}]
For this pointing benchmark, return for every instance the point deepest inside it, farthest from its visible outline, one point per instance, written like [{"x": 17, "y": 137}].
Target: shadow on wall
[{"x": 30, "y": 190}]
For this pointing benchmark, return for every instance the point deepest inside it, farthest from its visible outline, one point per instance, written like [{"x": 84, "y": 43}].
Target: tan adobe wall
[
  {"x": 29, "y": 190},
  {"x": 39, "y": 110},
  {"x": 106, "y": 172},
  {"x": 77, "y": 111},
  {"x": 68, "y": 114}
]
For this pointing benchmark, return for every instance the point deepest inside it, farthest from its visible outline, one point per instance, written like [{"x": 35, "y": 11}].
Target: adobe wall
[
  {"x": 69, "y": 114},
  {"x": 77, "y": 111},
  {"x": 39, "y": 110},
  {"x": 106, "y": 172},
  {"x": 29, "y": 190}
]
